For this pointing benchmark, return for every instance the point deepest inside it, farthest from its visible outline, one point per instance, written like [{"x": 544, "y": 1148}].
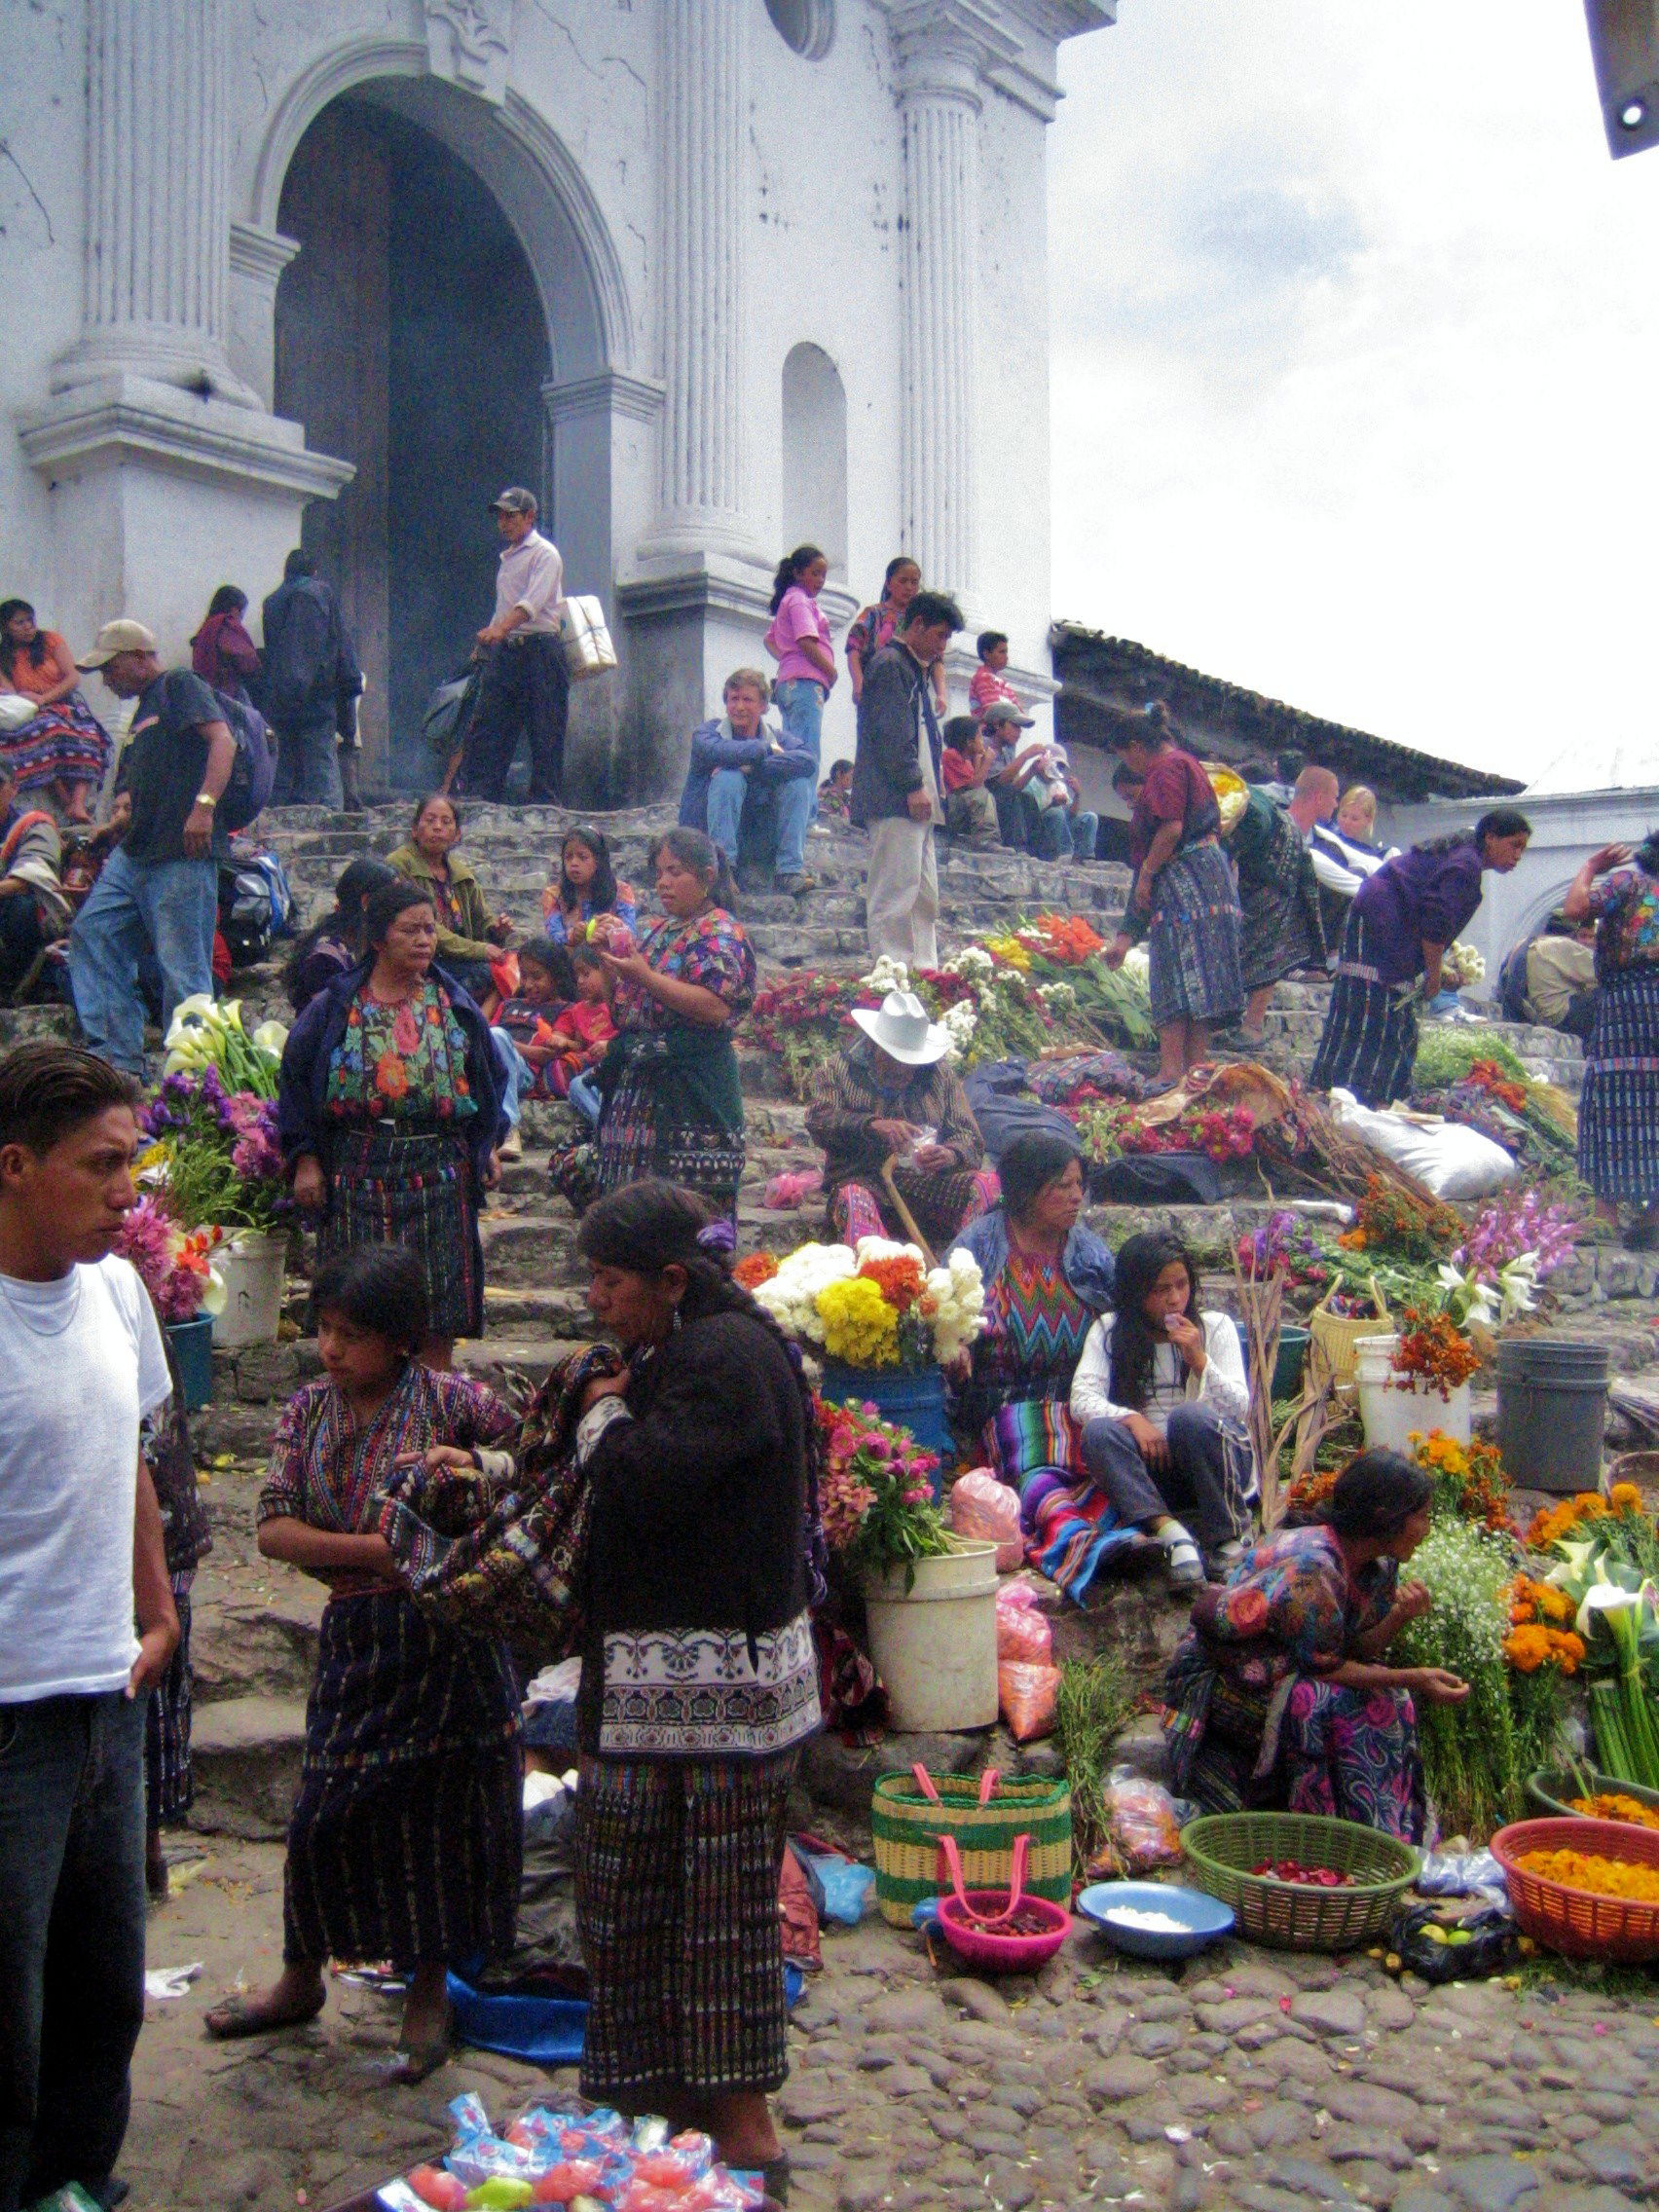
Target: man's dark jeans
[
  {"x": 71, "y": 1937},
  {"x": 525, "y": 691}
]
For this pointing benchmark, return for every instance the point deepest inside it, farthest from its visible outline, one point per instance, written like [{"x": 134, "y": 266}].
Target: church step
[{"x": 247, "y": 1754}]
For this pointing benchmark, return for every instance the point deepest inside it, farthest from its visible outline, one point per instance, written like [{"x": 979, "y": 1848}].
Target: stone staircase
[{"x": 256, "y": 1624}]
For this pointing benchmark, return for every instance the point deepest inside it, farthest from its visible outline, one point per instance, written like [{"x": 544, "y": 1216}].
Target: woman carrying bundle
[{"x": 1281, "y": 1697}]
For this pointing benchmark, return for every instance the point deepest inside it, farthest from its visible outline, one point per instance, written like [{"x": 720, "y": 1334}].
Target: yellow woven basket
[
  {"x": 1335, "y": 1337},
  {"x": 907, "y": 1824}
]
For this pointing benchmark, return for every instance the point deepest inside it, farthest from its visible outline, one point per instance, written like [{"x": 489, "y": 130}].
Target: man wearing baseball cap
[
  {"x": 158, "y": 891},
  {"x": 1017, "y": 811},
  {"x": 525, "y": 687}
]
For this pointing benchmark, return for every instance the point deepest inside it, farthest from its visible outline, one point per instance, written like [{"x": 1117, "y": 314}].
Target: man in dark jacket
[
  {"x": 312, "y": 684},
  {"x": 737, "y": 755},
  {"x": 898, "y": 783}
]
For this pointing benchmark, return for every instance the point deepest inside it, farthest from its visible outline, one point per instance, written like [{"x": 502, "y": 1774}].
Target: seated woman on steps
[
  {"x": 1280, "y": 1695},
  {"x": 1162, "y": 1397},
  {"x": 469, "y": 939},
  {"x": 406, "y": 1835},
  {"x": 897, "y": 1134}
]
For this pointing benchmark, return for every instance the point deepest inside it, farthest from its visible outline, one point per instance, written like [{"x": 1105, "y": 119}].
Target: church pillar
[
  {"x": 156, "y": 272},
  {"x": 942, "y": 48},
  {"x": 705, "y": 136}
]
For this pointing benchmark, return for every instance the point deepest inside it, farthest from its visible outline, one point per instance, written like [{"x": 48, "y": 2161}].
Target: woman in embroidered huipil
[
  {"x": 699, "y": 1683},
  {"x": 1280, "y": 1695},
  {"x": 673, "y": 1105},
  {"x": 405, "y": 1840},
  {"x": 1618, "y": 1115},
  {"x": 390, "y": 1111}
]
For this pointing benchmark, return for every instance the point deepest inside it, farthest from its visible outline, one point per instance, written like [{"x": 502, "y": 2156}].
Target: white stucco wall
[{"x": 574, "y": 154}]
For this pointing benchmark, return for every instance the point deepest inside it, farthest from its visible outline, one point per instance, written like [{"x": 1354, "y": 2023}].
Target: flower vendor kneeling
[{"x": 1280, "y": 1696}]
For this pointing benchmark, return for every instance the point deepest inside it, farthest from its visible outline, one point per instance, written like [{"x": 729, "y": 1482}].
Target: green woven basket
[
  {"x": 1293, "y": 1916},
  {"x": 906, "y": 1825},
  {"x": 1551, "y": 1789}
]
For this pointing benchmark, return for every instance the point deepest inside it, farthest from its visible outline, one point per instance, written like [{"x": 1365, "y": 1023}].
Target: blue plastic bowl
[{"x": 1203, "y": 1918}]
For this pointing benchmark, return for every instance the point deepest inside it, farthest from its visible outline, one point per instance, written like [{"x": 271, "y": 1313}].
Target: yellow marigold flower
[
  {"x": 860, "y": 1327},
  {"x": 1625, "y": 1498}
]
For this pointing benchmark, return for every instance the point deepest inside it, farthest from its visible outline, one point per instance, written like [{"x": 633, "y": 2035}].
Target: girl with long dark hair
[
  {"x": 585, "y": 888},
  {"x": 1163, "y": 1402},
  {"x": 336, "y": 942},
  {"x": 1281, "y": 1696},
  {"x": 64, "y": 749},
  {"x": 877, "y": 625},
  {"x": 798, "y": 641}
]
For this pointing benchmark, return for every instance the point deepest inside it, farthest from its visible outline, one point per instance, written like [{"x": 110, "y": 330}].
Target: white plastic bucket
[
  {"x": 936, "y": 1646},
  {"x": 1392, "y": 1406},
  {"x": 252, "y": 1266}
]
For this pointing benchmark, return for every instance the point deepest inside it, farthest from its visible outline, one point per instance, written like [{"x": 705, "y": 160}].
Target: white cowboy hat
[{"x": 900, "y": 1027}]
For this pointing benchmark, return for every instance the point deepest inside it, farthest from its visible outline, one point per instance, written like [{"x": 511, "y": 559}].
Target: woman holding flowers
[
  {"x": 1618, "y": 1115},
  {"x": 1047, "y": 1281},
  {"x": 673, "y": 1105},
  {"x": 896, "y": 1126},
  {"x": 1280, "y": 1695},
  {"x": 389, "y": 1111}
]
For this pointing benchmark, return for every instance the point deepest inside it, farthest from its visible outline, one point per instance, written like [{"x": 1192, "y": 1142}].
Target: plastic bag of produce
[
  {"x": 1143, "y": 1831},
  {"x": 1451, "y": 1160},
  {"x": 1027, "y": 1695},
  {"x": 1453, "y": 1950},
  {"x": 1023, "y": 1631},
  {"x": 984, "y": 1508}
]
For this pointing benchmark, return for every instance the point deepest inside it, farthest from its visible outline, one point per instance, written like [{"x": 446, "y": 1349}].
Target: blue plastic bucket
[
  {"x": 193, "y": 1349},
  {"x": 911, "y": 1401}
]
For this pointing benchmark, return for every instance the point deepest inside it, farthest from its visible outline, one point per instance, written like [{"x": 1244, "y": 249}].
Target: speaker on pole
[{"x": 1624, "y": 39}]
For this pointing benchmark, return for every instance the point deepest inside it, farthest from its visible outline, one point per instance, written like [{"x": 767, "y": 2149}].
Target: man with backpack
[
  {"x": 311, "y": 686},
  {"x": 159, "y": 889}
]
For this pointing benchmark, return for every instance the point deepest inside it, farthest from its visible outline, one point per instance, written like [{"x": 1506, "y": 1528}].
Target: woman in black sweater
[{"x": 699, "y": 1683}]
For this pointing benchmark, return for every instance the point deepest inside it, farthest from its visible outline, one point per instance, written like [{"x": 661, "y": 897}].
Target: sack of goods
[{"x": 588, "y": 650}]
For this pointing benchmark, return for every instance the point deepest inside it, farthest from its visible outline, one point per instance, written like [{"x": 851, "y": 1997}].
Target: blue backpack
[{"x": 254, "y": 769}]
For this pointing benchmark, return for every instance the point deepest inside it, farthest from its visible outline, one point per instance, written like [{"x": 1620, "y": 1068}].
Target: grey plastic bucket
[{"x": 1552, "y": 1411}]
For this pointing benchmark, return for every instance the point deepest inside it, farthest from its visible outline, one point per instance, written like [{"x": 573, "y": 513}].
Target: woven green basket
[
  {"x": 1552, "y": 1790},
  {"x": 1293, "y": 1916},
  {"x": 906, "y": 1826}
]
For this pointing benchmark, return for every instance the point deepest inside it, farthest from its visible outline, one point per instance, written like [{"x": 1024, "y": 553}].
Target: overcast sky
[{"x": 1356, "y": 367}]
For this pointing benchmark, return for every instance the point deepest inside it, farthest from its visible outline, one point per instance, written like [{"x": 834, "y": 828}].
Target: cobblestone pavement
[{"x": 1262, "y": 2080}]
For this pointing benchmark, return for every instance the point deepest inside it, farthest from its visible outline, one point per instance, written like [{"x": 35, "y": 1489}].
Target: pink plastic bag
[
  {"x": 984, "y": 1508},
  {"x": 1024, "y": 1635}
]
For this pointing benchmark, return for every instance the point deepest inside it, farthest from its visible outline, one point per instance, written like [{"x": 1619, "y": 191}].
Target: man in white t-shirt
[{"x": 81, "y": 1558}]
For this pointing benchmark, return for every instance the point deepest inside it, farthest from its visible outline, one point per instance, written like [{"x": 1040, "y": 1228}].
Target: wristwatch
[{"x": 207, "y": 799}]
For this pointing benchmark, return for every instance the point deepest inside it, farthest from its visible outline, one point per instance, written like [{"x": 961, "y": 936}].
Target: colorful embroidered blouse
[
  {"x": 1291, "y": 1608},
  {"x": 710, "y": 949},
  {"x": 405, "y": 1062},
  {"x": 330, "y": 1473},
  {"x": 1626, "y": 906},
  {"x": 1035, "y": 1329}
]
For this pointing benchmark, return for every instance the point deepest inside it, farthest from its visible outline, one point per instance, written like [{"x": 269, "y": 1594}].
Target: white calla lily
[
  {"x": 213, "y": 1297},
  {"x": 270, "y": 1037},
  {"x": 1604, "y": 1598}
]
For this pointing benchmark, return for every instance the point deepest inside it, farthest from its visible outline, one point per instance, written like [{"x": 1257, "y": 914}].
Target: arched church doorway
[{"x": 411, "y": 341}]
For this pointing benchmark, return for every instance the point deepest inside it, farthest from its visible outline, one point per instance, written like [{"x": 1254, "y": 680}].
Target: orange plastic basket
[{"x": 1580, "y": 1924}]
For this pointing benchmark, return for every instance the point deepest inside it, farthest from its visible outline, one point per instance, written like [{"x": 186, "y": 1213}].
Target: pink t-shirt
[
  {"x": 800, "y": 616},
  {"x": 988, "y": 688}
]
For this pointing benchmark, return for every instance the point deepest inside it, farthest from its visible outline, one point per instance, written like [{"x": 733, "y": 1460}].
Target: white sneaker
[
  {"x": 1181, "y": 1553},
  {"x": 511, "y": 1146}
]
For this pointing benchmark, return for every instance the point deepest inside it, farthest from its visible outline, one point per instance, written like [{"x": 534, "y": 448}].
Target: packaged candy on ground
[
  {"x": 499, "y": 2194},
  {"x": 444, "y": 2192},
  {"x": 479, "y": 2158},
  {"x": 569, "y": 2179},
  {"x": 650, "y": 2133},
  {"x": 468, "y": 2115}
]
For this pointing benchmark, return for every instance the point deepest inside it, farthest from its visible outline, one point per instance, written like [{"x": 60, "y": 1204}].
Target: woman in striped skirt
[
  {"x": 406, "y": 1837},
  {"x": 1185, "y": 901},
  {"x": 1401, "y": 921},
  {"x": 1618, "y": 1115}
]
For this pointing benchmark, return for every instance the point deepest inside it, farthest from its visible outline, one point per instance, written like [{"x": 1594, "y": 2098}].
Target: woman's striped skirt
[
  {"x": 406, "y": 1841},
  {"x": 1618, "y": 1114},
  {"x": 390, "y": 1186},
  {"x": 1370, "y": 1039},
  {"x": 1192, "y": 944},
  {"x": 677, "y": 1902}
]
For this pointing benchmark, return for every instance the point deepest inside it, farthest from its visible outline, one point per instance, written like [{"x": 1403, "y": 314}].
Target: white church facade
[{"x": 713, "y": 276}]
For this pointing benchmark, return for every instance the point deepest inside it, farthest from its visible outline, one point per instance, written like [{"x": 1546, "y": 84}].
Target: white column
[
  {"x": 156, "y": 266},
  {"x": 704, "y": 137},
  {"x": 943, "y": 47}
]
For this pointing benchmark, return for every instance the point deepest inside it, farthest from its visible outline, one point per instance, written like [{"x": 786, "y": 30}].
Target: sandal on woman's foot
[{"x": 249, "y": 2016}]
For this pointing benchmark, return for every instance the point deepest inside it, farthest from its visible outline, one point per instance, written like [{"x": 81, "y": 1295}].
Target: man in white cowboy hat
[{"x": 897, "y": 1129}]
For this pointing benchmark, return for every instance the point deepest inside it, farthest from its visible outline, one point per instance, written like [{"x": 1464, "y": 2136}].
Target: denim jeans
[
  {"x": 800, "y": 706},
  {"x": 1061, "y": 836},
  {"x": 586, "y": 1096},
  {"x": 517, "y": 1075},
  {"x": 796, "y": 803},
  {"x": 71, "y": 1937},
  {"x": 307, "y": 766},
  {"x": 166, "y": 907}
]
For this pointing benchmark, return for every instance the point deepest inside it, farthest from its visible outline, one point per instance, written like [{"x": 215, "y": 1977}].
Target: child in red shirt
[{"x": 577, "y": 1039}]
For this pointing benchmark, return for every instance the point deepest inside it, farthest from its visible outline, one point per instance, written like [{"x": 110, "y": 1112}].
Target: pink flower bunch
[
  {"x": 1516, "y": 1222},
  {"x": 868, "y": 1465},
  {"x": 173, "y": 1267}
]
